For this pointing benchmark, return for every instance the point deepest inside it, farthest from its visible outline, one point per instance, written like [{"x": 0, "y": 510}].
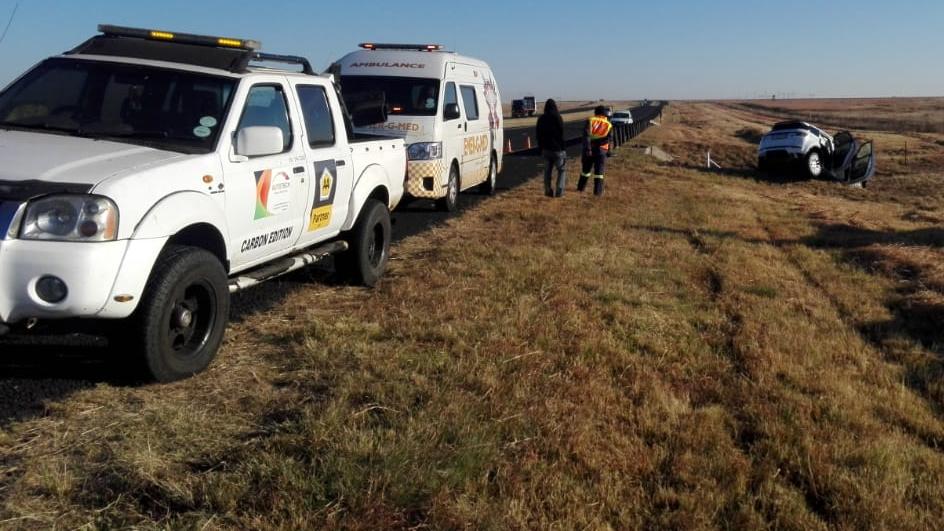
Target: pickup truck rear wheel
[
  {"x": 490, "y": 185},
  {"x": 180, "y": 321},
  {"x": 369, "y": 245},
  {"x": 451, "y": 202}
]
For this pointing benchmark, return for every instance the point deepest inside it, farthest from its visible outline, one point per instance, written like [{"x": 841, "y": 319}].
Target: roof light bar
[
  {"x": 182, "y": 38},
  {"x": 389, "y": 46}
]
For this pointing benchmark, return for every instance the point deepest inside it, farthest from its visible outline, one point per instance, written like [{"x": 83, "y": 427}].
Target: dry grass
[
  {"x": 695, "y": 350},
  {"x": 899, "y": 115}
]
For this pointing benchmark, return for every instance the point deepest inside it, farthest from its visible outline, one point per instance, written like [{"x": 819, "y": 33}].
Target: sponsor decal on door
[
  {"x": 475, "y": 145},
  {"x": 326, "y": 175},
  {"x": 273, "y": 192}
]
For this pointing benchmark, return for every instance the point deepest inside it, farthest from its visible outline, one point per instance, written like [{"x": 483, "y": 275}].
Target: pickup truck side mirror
[
  {"x": 258, "y": 140},
  {"x": 451, "y": 112}
]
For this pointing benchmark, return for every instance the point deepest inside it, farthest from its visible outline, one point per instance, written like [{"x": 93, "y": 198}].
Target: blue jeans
[{"x": 554, "y": 159}]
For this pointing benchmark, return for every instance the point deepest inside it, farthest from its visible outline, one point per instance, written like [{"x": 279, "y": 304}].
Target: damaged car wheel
[{"x": 814, "y": 164}]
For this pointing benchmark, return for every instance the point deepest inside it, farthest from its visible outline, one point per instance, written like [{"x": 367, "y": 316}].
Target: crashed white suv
[
  {"x": 147, "y": 175},
  {"x": 798, "y": 144}
]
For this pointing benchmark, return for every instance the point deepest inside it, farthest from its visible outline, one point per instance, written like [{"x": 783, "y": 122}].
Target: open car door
[
  {"x": 863, "y": 164},
  {"x": 853, "y": 161}
]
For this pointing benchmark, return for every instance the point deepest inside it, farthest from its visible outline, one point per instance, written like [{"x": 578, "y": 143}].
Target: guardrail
[{"x": 622, "y": 133}]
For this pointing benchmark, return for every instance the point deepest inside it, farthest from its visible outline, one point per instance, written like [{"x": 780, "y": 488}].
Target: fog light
[{"x": 51, "y": 289}]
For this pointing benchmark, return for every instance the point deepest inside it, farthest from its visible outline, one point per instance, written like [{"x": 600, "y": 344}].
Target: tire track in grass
[
  {"x": 747, "y": 433},
  {"x": 851, "y": 320}
]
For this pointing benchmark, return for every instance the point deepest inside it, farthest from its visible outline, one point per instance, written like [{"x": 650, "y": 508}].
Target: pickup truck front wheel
[
  {"x": 369, "y": 245},
  {"x": 179, "y": 323}
]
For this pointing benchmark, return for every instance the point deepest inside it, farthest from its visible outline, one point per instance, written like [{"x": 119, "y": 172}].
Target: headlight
[
  {"x": 85, "y": 218},
  {"x": 425, "y": 151}
]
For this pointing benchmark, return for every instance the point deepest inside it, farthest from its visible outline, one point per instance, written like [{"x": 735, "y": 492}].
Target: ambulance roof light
[{"x": 391, "y": 46}]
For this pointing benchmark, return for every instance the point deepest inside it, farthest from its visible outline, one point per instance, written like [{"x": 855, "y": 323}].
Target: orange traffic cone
[
  {"x": 529, "y": 141},
  {"x": 508, "y": 147}
]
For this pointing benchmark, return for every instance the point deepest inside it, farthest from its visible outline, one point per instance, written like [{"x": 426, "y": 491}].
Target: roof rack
[
  {"x": 225, "y": 53},
  {"x": 287, "y": 59},
  {"x": 390, "y": 46}
]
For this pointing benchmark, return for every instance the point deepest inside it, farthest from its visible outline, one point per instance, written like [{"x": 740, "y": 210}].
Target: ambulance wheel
[
  {"x": 179, "y": 324},
  {"x": 368, "y": 245},
  {"x": 451, "y": 202},
  {"x": 490, "y": 185}
]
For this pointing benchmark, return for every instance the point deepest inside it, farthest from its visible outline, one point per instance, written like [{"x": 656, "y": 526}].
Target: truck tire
[
  {"x": 491, "y": 182},
  {"x": 451, "y": 202},
  {"x": 369, "y": 245},
  {"x": 179, "y": 324},
  {"x": 814, "y": 164}
]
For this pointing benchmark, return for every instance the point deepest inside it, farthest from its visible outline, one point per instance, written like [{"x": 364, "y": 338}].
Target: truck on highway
[
  {"x": 150, "y": 174},
  {"x": 524, "y": 107},
  {"x": 446, "y": 107}
]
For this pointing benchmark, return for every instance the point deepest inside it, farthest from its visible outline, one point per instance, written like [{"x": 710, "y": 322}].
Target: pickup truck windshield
[
  {"x": 162, "y": 108},
  {"x": 410, "y": 96}
]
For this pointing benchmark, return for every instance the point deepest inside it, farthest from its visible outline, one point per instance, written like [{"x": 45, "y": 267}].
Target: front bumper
[
  {"x": 89, "y": 271},
  {"x": 426, "y": 179}
]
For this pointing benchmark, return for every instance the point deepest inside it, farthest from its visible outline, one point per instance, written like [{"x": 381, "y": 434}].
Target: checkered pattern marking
[
  {"x": 420, "y": 169},
  {"x": 475, "y": 177}
]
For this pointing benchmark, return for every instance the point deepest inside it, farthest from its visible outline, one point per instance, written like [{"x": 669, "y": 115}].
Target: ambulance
[{"x": 446, "y": 107}]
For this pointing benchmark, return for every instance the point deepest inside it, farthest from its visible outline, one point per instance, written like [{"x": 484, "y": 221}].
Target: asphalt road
[{"x": 523, "y": 138}]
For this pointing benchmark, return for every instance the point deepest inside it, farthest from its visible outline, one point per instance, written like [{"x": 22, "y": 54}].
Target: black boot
[
  {"x": 598, "y": 186},
  {"x": 581, "y": 183}
]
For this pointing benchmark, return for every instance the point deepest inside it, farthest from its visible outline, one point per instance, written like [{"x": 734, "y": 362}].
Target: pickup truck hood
[{"x": 35, "y": 163}]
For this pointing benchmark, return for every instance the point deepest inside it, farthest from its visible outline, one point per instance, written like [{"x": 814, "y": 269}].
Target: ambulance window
[
  {"x": 451, "y": 96},
  {"x": 318, "y": 122},
  {"x": 470, "y": 102},
  {"x": 265, "y": 106}
]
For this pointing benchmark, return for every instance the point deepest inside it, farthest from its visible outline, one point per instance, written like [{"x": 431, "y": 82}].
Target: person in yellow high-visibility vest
[{"x": 596, "y": 144}]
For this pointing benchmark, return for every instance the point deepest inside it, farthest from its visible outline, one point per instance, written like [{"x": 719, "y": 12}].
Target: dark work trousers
[
  {"x": 595, "y": 163},
  {"x": 554, "y": 160}
]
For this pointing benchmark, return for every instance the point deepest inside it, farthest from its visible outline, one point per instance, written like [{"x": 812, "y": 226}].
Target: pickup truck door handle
[{"x": 339, "y": 163}]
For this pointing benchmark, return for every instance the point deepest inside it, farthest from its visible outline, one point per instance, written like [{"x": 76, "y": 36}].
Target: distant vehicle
[
  {"x": 147, "y": 175},
  {"x": 841, "y": 157},
  {"x": 622, "y": 117},
  {"x": 445, "y": 106},
  {"x": 523, "y": 107}
]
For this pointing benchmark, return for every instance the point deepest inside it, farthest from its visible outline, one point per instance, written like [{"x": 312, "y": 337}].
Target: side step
[{"x": 284, "y": 266}]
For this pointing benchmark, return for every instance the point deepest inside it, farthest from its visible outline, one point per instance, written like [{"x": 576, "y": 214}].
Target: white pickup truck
[{"x": 149, "y": 174}]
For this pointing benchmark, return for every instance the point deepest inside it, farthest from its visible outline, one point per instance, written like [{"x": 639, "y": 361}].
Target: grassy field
[
  {"x": 695, "y": 350},
  {"x": 900, "y": 115}
]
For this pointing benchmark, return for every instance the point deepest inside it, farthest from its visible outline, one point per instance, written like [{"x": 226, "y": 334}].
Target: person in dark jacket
[{"x": 550, "y": 132}]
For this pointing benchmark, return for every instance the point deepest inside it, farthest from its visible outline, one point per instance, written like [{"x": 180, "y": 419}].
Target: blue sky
[{"x": 570, "y": 50}]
